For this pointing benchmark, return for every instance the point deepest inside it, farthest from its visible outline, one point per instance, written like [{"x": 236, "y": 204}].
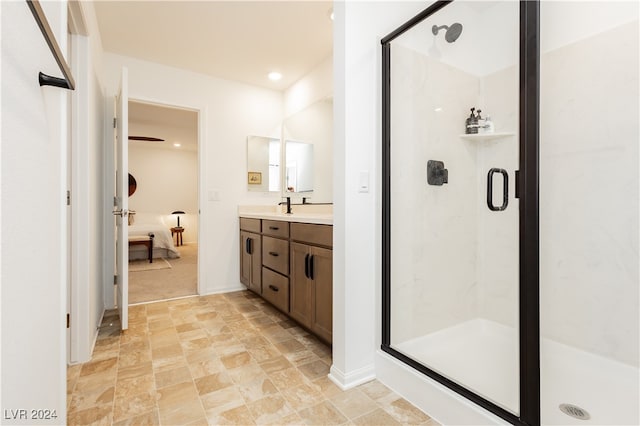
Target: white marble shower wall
[
  {"x": 589, "y": 134},
  {"x": 434, "y": 228}
]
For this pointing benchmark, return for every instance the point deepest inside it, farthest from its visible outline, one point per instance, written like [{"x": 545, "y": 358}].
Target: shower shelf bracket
[{"x": 487, "y": 136}]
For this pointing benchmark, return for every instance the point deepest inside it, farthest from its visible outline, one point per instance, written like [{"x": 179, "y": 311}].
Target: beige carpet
[
  {"x": 160, "y": 284},
  {"x": 145, "y": 265}
]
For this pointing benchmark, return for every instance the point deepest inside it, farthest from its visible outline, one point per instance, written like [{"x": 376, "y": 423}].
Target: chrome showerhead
[{"x": 453, "y": 31}]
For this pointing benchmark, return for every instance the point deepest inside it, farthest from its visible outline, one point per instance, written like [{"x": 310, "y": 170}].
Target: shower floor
[{"x": 482, "y": 355}]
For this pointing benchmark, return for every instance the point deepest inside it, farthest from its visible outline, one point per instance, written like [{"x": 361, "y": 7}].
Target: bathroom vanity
[{"x": 287, "y": 260}]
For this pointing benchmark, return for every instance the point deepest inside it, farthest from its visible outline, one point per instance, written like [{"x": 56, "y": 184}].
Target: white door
[{"x": 122, "y": 200}]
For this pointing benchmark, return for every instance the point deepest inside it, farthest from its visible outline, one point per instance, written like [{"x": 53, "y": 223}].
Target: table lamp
[{"x": 178, "y": 213}]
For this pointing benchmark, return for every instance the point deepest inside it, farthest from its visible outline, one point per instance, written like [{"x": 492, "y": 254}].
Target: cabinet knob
[
  {"x": 274, "y": 288},
  {"x": 274, "y": 254}
]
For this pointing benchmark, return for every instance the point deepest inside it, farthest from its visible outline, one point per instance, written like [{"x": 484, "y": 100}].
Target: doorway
[{"x": 163, "y": 202}]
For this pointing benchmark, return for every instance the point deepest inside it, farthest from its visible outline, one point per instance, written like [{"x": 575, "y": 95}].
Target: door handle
[
  {"x": 505, "y": 190},
  {"x": 311, "y": 267},
  {"x": 274, "y": 254},
  {"x": 121, "y": 212},
  {"x": 274, "y": 288},
  {"x": 306, "y": 265},
  {"x": 247, "y": 246}
]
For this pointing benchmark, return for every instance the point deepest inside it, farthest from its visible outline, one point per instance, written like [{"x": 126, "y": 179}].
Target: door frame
[
  {"x": 527, "y": 183},
  {"x": 110, "y": 167}
]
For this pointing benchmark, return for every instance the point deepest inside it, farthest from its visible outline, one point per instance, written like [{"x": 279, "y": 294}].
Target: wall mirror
[
  {"x": 263, "y": 164},
  {"x": 308, "y": 156}
]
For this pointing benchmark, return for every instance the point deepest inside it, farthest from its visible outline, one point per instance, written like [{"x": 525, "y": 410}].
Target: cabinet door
[
  {"x": 321, "y": 272},
  {"x": 251, "y": 261},
  {"x": 300, "y": 289}
]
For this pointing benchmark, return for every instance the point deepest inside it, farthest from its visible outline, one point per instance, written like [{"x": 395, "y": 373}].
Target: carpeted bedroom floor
[{"x": 177, "y": 281}]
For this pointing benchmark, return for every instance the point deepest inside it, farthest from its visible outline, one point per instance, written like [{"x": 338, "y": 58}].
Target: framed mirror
[
  {"x": 263, "y": 164},
  {"x": 308, "y": 156}
]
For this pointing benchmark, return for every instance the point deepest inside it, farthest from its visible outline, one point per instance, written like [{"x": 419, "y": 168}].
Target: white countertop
[{"x": 308, "y": 213}]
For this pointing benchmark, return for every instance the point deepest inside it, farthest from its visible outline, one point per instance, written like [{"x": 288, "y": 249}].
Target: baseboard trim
[
  {"x": 229, "y": 289},
  {"x": 346, "y": 381}
]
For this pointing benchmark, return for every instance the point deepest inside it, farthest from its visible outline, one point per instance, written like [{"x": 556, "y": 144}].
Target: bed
[{"x": 142, "y": 224}]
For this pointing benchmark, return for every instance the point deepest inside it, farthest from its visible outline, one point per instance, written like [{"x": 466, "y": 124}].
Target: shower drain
[{"x": 574, "y": 411}]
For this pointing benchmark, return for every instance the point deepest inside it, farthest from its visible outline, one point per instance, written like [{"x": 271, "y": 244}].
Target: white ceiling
[
  {"x": 234, "y": 40},
  {"x": 174, "y": 125}
]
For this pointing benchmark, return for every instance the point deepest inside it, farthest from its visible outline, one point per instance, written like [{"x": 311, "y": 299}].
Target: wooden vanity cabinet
[
  {"x": 251, "y": 254},
  {"x": 311, "y": 278}
]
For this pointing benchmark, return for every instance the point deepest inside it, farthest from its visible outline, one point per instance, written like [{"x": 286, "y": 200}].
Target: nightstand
[{"x": 178, "y": 230}]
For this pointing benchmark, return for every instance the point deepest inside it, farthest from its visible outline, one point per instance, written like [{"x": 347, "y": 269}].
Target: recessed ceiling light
[
  {"x": 274, "y": 76},
  {"x": 331, "y": 16},
  {"x": 177, "y": 145}
]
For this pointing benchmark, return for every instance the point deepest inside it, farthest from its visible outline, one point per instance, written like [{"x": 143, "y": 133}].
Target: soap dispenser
[
  {"x": 471, "y": 124},
  {"x": 489, "y": 127},
  {"x": 481, "y": 123}
]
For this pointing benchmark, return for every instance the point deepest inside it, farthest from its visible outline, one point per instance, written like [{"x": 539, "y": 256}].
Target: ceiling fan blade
[{"x": 145, "y": 138}]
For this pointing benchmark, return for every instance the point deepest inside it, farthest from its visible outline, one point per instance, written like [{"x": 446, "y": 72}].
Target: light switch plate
[
  {"x": 363, "y": 181},
  {"x": 214, "y": 195}
]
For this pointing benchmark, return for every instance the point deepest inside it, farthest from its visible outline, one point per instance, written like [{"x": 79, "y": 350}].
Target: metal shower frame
[{"x": 527, "y": 190}]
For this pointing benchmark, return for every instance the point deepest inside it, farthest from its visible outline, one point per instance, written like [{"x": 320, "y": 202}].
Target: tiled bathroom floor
[{"x": 228, "y": 359}]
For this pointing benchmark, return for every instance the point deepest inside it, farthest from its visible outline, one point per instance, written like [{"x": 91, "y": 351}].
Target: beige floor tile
[
  {"x": 95, "y": 382},
  {"x": 135, "y": 370},
  {"x": 353, "y": 403},
  {"x": 379, "y": 417},
  {"x": 290, "y": 346},
  {"x": 148, "y": 418},
  {"x": 205, "y": 368},
  {"x": 101, "y": 415},
  {"x": 134, "y": 405},
  {"x": 291, "y": 377},
  {"x": 101, "y": 366},
  {"x": 245, "y": 373},
  {"x": 172, "y": 377},
  {"x": 235, "y": 360},
  {"x": 222, "y": 400},
  {"x": 85, "y": 400},
  {"x": 257, "y": 388},
  {"x": 303, "y": 396},
  {"x": 176, "y": 395},
  {"x": 269, "y": 409},
  {"x": 264, "y": 353},
  {"x": 327, "y": 387},
  {"x": 275, "y": 364},
  {"x": 132, "y": 358},
  {"x": 375, "y": 390},
  {"x": 314, "y": 370},
  {"x": 323, "y": 413},
  {"x": 188, "y": 412},
  {"x": 235, "y": 416},
  {"x": 193, "y": 335},
  {"x": 405, "y": 413},
  {"x": 127, "y": 388},
  {"x": 213, "y": 382}
]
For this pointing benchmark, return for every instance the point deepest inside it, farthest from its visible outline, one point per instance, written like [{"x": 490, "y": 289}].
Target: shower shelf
[{"x": 487, "y": 136}]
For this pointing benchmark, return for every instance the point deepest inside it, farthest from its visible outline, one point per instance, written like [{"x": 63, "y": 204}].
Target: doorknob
[{"x": 121, "y": 213}]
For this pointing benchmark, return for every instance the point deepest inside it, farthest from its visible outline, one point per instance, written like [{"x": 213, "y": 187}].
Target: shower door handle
[{"x": 505, "y": 190}]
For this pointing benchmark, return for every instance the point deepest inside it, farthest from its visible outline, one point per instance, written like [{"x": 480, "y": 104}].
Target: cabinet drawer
[
  {"x": 321, "y": 235},
  {"x": 275, "y": 228},
  {"x": 275, "y": 289},
  {"x": 252, "y": 225},
  {"x": 275, "y": 254}
]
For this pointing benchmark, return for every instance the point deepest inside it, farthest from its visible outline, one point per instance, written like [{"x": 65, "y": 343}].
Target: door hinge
[
  {"x": 68, "y": 320},
  {"x": 115, "y": 123},
  {"x": 68, "y": 198},
  {"x": 115, "y": 280}
]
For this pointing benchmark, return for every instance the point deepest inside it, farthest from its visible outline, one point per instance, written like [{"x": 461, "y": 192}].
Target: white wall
[
  {"x": 230, "y": 112},
  {"x": 167, "y": 181},
  {"x": 316, "y": 85},
  {"x": 34, "y": 226}
]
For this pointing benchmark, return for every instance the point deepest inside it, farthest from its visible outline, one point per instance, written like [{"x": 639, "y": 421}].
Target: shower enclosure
[{"x": 510, "y": 234}]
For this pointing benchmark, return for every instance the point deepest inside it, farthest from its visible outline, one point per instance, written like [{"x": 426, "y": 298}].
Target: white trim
[
  {"x": 346, "y": 381},
  {"x": 439, "y": 402},
  {"x": 230, "y": 289}
]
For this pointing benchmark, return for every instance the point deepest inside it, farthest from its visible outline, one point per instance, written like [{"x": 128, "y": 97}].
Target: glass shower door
[{"x": 453, "y": 215}]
